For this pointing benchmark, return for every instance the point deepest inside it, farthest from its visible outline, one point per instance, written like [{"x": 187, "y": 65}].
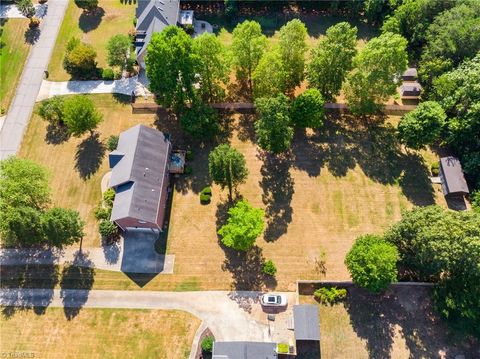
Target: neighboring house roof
[
  {"x": 410, "y": 89},
  {"x": 244, "y": 350},
  {"x": 410, "y": 73},
  {"x": 153, "y": 16},
  {"x": 453, "y": 180},
  {"x": 306, "y": 323},
  {"x": 140, "y": 163}
]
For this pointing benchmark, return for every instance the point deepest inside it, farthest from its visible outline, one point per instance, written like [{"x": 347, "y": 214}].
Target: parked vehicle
[{"x": 274, "y": 300}]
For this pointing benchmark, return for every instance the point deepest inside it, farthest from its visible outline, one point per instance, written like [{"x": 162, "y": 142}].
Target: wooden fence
[{"x": 249, "y": 108}]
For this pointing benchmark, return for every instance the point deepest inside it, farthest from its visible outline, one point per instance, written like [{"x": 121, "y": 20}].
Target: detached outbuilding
[
  {"x": 140, "y": 178},
  {"x": 244, "y": 350},
  {"x": 307, "y": 329},
  {"x": 410, "y": 90},
  {"x": 410, "y": 74},
  {"x": 453, "y": 179}
]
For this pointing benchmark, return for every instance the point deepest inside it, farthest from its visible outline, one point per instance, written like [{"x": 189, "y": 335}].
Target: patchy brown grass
[
  {"x": 100, "y": 333},
  {"x": 398, "y": 324},
  {"x": 348, "y": 179}
]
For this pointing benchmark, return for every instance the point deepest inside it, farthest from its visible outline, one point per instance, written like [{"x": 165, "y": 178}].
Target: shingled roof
[
  {"x": 139, "y": 168},
  {"x": 451, "y": 173},
  {"x": 153, "y": 16},
  {"x": 306, "y": 323}
]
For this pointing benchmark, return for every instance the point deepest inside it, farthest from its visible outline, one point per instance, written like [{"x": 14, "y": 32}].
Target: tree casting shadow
[
  {"x": 278, "y": 188},
  {"x": 89, "y": 156},
  {"x": 77, "y": 281},
  {"x": 89, "y": 21},
  {"x": 56, "y": 134}
]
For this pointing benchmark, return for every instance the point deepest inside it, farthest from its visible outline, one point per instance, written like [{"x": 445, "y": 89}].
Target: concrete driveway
[{"x": 230, "y": 315}]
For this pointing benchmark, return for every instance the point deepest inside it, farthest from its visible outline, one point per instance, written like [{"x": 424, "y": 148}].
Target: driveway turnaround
[
  {"x": 223, "y": 312},
  {"x": 11, "y": 133}
]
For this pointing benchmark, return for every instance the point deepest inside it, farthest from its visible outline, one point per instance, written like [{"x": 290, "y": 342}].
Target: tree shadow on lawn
[
  {"x": 89, "y": 156},
  {"x": 344, "y": 142},
  {"x": 245, "y": 266},
  {"x": 32, "y": 35},
  {"x": 89, "y": 21},
  {"x": 375, "y": 317},
  {"x": 77, "y": 281},
  {"x": 278, "y": 188},
  {"x": 29, "y": 276},
  {"x": 56, "y": 134}
]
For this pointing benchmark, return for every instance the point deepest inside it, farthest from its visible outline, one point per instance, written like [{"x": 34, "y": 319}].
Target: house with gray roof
[
  {"x": 153, "y": 16},
  {"x": 451, "y": 174},
  {"x": 140, "y": 178},
  {"x": 244, "y": 350}
]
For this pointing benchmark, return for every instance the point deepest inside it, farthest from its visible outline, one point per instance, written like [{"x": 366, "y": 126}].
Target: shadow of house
[
  {"x": 89, "y": 156},
  {"x": 77, "y": 281},
  {"x": 278, "y": 188},
  {"x": 89, "y": 21},
  {"x": 18, "y": 278}
]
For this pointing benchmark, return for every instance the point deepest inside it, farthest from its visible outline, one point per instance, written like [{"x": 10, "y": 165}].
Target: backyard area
[
  {"x": 96, "y": 333},
  {"x": 111, "y": 18},
  {"x": 13, "y": 53},
  {"x": 399, "y": 324},
  {"x": 342, "y": 181}
]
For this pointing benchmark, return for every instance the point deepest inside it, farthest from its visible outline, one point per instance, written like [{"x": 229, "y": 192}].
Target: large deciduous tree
[
  {"x": 80, "y": 59},
  {"x": 244, "y": 225},
  {"x": 444, "y": 247},
  {"x": 422, "y": 126},
  {"x": 377, "y": 73},
  {"x": 292, "y": 46},
  {"x": 25, "y": 217},
  {"x": 62, "y": 227},
  {"x": 87, "y": 5},
  {"x": 200, "y": 121},
  {"x": 453, "y": 37},
  {"x": 80, "y": 115},
  {"x": 269, "y": 78},
  {"x": 26, "y": 8},
  {"x": 118, "y": 50},
  {"x": 248, "y": 46},
  {"x": 308, "y": 109},
  {"x": 372, "y": 263},
  {"x": 457, "y": 92},
  {"x": 171, "y": 65},
  {"x": 273, "y": 130},
  {"x": 227, "y": 167},
  {"x": 213, "y": 67},
  {"x": 332, "y": 59}
]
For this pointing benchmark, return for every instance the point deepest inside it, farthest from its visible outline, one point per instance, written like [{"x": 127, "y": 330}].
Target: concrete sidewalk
[{"x": 19, "y": 113}]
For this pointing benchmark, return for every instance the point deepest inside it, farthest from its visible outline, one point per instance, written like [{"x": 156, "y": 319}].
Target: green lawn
[
  {"x": 112, "y": 18},
  {"x": 13, "y": 53},
  {"x": 99, "y": 333}
]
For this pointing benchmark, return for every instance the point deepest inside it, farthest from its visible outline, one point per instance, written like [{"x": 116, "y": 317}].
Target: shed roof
[
  {"x": 453, "y": 180},
  {"x": 138, "y": 177},
  {"x": 410, "y": 89},
  {"x": 153, "y": 16},
  {"x": 306, "y": 323},
  {"x": 411, "y": 72},
  {"x": 244, "y": 350}
]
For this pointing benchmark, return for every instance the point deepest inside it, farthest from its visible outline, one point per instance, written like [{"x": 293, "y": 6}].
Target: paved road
[
  {"x": 223, "y": 312},
  {"x": 19, "y": 113}
]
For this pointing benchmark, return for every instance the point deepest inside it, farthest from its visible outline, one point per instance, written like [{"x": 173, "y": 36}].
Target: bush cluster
[
  {"x": 207, "y": 344},
  {"x": 108, "y": 74},
  {"x": 269, "y": 268},
  {"x": 330, "y": 295},
  {"x": 206, "y": 195},
  {"x": 435, "y": 169}
]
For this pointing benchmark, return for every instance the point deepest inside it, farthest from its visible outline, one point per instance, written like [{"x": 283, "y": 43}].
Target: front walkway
[
  {"x": 125, "y": 86},
  {"x": 11, "y": 133}
]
